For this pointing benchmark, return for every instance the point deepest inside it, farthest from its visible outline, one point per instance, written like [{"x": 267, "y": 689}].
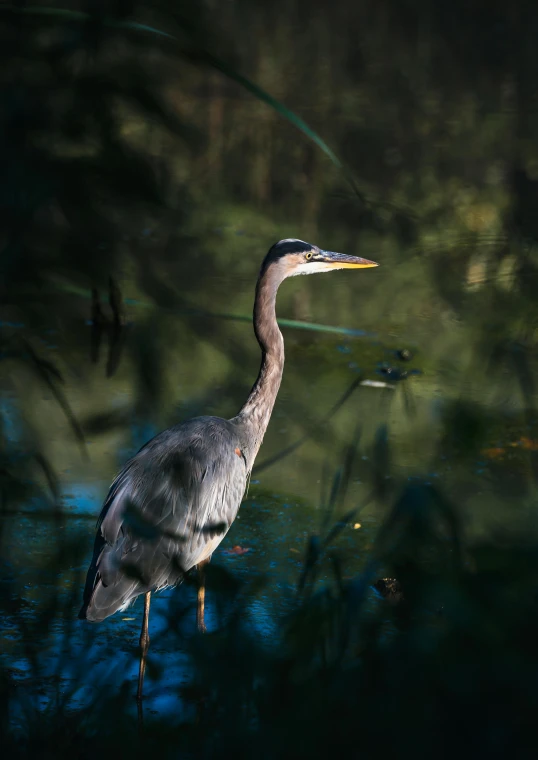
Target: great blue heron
[{"x": 174, "y": 501}]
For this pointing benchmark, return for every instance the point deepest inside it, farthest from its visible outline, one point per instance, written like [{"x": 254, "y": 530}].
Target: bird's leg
[
  {"x": 200, "y": 610},
  {"x": 144, "y": 646}
]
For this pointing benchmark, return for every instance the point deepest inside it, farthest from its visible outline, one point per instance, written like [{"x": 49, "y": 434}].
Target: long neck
[{"x": 256, "y": 412}]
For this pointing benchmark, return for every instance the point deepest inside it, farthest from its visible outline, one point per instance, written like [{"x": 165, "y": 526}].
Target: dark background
[{"x": 150, "y": 154}]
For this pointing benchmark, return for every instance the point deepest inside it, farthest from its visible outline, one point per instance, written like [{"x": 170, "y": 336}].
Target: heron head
[{"x": 295, "y": 257}]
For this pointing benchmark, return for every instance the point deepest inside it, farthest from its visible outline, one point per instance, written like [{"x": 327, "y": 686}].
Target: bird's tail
[
  {"x": 118, "y": 574},
  {"x": 106, "y": 600},
  {"x": 106, "y": 590}
]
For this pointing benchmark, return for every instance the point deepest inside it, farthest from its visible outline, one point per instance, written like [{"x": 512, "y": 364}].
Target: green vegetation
[{"x": 167, "y": 146}]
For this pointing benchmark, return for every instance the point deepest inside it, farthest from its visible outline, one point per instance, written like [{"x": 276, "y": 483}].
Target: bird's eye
[{"x": 308, "y": 256}]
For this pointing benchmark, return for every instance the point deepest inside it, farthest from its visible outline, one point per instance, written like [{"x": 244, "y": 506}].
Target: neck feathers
[{"x": 257, "y": 410}]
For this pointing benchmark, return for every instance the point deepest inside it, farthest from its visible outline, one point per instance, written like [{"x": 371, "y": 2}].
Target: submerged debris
[
  {"x": 390, "y": 589},
  {"x": 376, "y": 384},
  {"x": 236, "y": 550},
  {"x": 395, "y": 373}
]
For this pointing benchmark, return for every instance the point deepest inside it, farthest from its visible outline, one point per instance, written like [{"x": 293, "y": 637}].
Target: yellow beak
[{"x": 343, "y": 261}]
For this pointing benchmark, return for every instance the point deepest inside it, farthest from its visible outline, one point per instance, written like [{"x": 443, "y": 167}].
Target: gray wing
[{"x": 167, "y": 510}]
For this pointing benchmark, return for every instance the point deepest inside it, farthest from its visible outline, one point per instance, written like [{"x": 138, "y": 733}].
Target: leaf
[
  {"x": 526, "y": 443},
  {"x": 194, "y": 311},
  {"x": 236, "y": 550},
  {"x": 494, "y": 453}
]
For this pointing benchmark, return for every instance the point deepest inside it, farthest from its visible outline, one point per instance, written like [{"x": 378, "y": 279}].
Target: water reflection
[
  {"x": 273, "y": 530},
  {"x": 143, "y": 166},
  {"x": 280, "y": 511}
]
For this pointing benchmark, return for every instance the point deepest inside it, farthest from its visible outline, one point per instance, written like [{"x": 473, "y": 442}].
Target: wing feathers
[{"x": 167, "y": 510}]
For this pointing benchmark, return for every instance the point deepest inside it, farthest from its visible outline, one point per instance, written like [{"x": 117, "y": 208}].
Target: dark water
[
  {"x": 278, "y": 515},
  {"x": 283, "y": 506},
  {"x": 449, "y": 217}
]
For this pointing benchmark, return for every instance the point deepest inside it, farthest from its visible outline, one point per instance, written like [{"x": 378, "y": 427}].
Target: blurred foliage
[
  {"x": 153, "y": 171},
  {"x": 347, "y": 671}
]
